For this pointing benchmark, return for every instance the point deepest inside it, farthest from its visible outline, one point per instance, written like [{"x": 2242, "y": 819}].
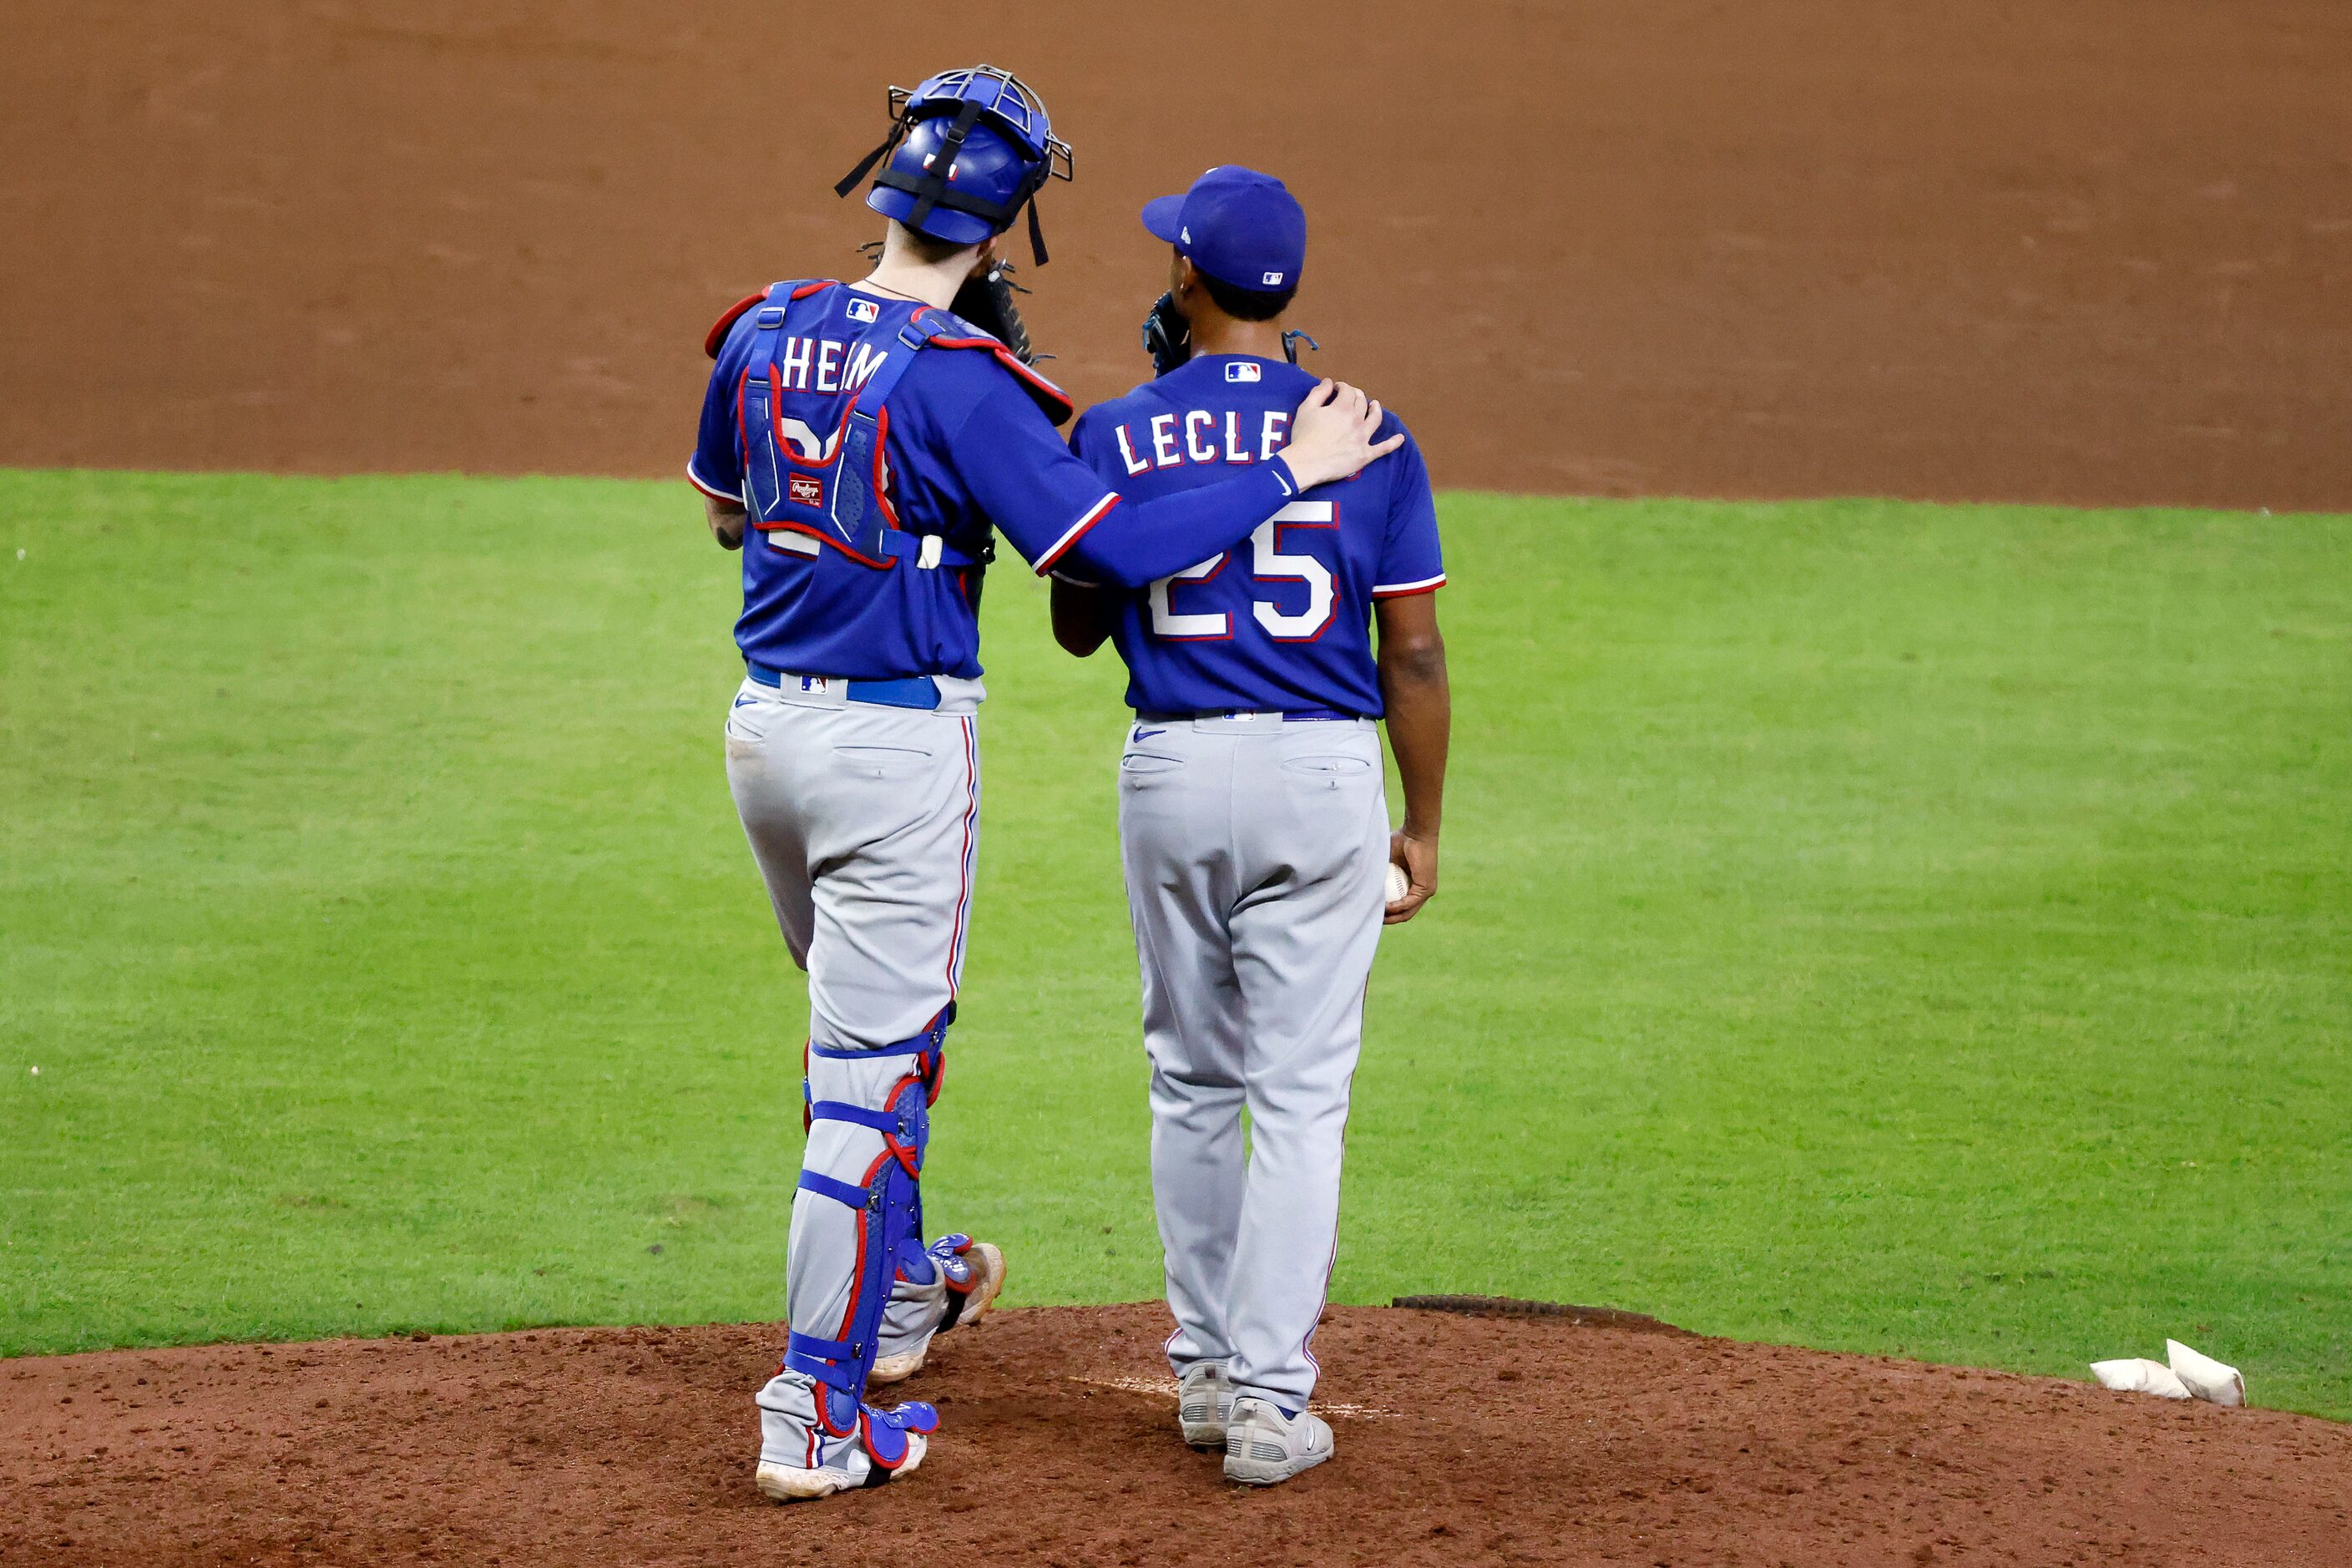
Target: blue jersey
[
  {"x": 967, "y": 444},
  {"x": 1281, "y": 623}
]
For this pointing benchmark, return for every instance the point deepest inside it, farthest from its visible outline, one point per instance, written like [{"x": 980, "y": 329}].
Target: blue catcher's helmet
[{"x": 966, "y": 150}]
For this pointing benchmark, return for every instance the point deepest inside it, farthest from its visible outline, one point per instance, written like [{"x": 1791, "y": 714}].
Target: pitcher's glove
[
  {"x": 1167, "y": 335},
  {"x": 986, "y": 301}
]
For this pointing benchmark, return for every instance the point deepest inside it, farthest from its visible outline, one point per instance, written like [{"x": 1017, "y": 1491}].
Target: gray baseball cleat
[
  {"x": 1264, "y": 1446},
  {"x": 1204, "y": 1403},
  {"x": 966, "y": 1276}
]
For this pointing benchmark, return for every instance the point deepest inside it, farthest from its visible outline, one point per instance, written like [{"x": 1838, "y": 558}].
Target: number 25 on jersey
[{"x": 1268, "y": 564}]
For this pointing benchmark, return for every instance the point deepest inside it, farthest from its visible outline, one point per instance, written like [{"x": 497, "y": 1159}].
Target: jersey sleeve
[
  {"x": 716, "y": 467},
  {"x": 1054, "y": 508},
  {"x": 1409, "y": 560},
  {"x": 1085, "y": 445}
]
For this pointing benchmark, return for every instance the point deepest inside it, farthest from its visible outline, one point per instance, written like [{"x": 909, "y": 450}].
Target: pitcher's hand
[{"x": 1418, "y": 857}]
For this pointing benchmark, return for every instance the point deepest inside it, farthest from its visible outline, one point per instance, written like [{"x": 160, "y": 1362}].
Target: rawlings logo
[{"x": 808, "y": 490}]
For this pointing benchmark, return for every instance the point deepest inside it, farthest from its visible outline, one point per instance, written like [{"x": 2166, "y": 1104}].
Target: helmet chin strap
[
  {"x": 1036, "y": 234},
  {"x": 857, "y": 176}
]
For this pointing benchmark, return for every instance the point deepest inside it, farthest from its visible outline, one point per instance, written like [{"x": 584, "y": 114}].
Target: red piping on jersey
[
  {"x": 698, "y": 481},
  {"x": 1102, "y": 509},
  {"x": 1410, "y": 592}
]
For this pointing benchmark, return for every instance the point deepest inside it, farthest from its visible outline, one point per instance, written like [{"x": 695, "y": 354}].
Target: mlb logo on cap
[
  {"x": 1242, "y": 370},
  {"x": 865, "y": 310}
]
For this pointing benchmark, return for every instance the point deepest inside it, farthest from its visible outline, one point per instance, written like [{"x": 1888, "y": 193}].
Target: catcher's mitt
[{"x": 986, "y": 301}]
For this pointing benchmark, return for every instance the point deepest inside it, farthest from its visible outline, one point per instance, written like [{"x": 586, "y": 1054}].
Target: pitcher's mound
[{"x": 1536, "y": 1438}]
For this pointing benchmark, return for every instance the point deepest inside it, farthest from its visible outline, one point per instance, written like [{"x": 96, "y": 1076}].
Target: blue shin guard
[{"x": 888, "y": 1203}]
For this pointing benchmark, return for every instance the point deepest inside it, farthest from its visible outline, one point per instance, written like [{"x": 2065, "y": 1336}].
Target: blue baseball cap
[{"x": 1240, "y": 227}]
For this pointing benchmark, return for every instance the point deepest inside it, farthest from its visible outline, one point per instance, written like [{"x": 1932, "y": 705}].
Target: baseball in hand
[{"x": 1399, "y": 883}]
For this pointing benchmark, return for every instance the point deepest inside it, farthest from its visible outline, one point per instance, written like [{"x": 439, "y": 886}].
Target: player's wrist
[{"x": 1420, "y": 828}]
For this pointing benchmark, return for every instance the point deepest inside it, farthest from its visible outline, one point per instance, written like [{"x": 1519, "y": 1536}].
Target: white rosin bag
[
  {"x": 2137, "y": 1375},
  {"x": 2204, "y": 1377}
]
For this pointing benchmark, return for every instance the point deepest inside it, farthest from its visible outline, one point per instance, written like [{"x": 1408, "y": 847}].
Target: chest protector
[{"x": 826, "y": 478}]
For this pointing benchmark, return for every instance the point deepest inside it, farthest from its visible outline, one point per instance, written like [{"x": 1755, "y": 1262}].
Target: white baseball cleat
[
  {"x": 790, "y": 1483},
  {"x": 802, "y": 1458},
  {"x": 967, "y": 1276},
  {"x": 1264, "y": 1446},
  {"x": 1204, "y": 1405}
]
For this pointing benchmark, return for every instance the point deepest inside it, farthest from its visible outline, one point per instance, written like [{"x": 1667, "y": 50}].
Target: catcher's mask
[{"x": 966, "y": 152}]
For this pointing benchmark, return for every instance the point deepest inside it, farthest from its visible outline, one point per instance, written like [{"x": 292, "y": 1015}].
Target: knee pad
[{"x": 888, "y": 1203}]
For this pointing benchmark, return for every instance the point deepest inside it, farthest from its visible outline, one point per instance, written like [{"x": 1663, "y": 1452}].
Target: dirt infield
[
  {"x": 2098, "y": 251},
  {"x": 1461, "y": 1440}
]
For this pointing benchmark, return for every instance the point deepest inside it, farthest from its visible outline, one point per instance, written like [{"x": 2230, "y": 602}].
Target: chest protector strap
[{"x": 833, "y": 489}]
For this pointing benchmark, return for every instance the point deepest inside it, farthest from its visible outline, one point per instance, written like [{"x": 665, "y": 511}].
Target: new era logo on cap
[{"x": 1242, "y": 370}]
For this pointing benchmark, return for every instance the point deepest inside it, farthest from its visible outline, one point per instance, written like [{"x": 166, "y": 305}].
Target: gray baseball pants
[
  {"x": 865, "y": 821},
  {"x": 1255, "y": 854}
]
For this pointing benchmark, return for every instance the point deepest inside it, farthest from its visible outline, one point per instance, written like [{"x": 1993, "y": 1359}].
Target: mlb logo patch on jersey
[
  {"x": 807, "y": 488},
  {"x": 865, "y": 310},
  {"x": 1243, "y": 370}
]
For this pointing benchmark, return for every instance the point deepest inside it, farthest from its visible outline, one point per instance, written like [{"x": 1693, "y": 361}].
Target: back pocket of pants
[
  {"x": 1143, "y": 772},
  {"x": 748, "y": 720},
  {"x": 1148, "y": 762},
  {"x": 882, "y": 762},
  {"x": 1337, "y": 769}
]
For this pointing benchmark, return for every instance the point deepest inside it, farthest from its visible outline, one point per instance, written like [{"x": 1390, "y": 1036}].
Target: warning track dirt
[{"x": 2098, "y": 252}]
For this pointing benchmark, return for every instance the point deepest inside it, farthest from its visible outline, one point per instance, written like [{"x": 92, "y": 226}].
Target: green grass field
[{"x": 1906, "y": 928}]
